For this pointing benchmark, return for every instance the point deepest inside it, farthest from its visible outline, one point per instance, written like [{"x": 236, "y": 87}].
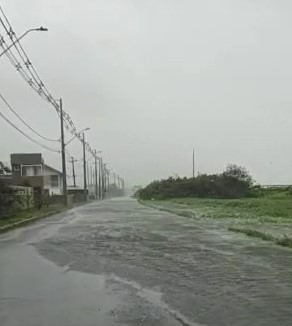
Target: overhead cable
[
  {"x": 25, "y": 123},
  {"x": 27, "y": 136}
]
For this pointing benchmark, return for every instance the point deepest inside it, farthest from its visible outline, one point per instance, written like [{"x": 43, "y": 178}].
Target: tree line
[{"x": 234, "y": 182}]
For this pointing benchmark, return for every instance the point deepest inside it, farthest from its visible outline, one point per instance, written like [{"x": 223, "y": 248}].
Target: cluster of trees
[
  {"x": 234, "y": 182},
  {"x": 4, "y": 169}
]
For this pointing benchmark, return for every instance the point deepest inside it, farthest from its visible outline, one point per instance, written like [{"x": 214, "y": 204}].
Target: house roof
[
  {"x": 53, "y": 169},
  {"x": 26, "y": 158}
]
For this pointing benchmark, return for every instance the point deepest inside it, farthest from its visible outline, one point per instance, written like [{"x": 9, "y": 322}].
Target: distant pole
[
  {"x": 99, "y": 178},
  {"x": 88, "y": 178},
  {"x": 95, "y": 169},
  {"x": 108, "y": 182},
  {"x": 91, "y": 175},
  {"x": 73, "y": 171},
  {"x": 193, "y": 162},
  {"x": 63, "y": 151},
  {"x": 123, "y": 186},
  {"x": 102, "y": 179},
  {"x": 114, "y": 179},
  {"x": 84, "y": 170}
]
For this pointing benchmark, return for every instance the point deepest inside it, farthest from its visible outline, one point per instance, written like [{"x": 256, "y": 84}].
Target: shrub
[{"x": 234, "y": 182}]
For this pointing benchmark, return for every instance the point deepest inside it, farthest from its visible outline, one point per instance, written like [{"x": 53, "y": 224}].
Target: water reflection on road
[{"x": 119, "y": 262}]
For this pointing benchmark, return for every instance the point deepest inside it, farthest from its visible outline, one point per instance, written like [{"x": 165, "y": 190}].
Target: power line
[
  {"x": 27, "y": 136},
  {"x": 35, "y": 82},
  {"x": 14, "y": 61},
  {"x": 24, "y": 58},
  {"x": 19, "y": 117}
]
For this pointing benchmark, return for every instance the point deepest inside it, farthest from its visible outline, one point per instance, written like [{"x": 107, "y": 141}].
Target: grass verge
[
  {"x": 247, "y": 216},
  {"x": 284, "y": 241},
  {"x": 26, "y": 217},
  {"x": 266, "y": 209}
]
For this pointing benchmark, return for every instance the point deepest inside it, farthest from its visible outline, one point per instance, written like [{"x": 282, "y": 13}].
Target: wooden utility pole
[
  {"x": 119, "y": 179},
  {"x": 108, "y": 182},
  {"x": 193, "y": 163},
  {"x": 63, "y": 153},
  {"x": 73, "y": 171},
  {"x": 115, "y": 179},
  {"x": 100, "y": 191},
  {"x": 84, "y": 170},
  {"x": 95, "y": 170}
]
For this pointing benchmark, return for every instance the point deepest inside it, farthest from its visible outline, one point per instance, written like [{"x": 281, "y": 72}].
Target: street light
[
  {"x": 40, "y": 29},
  {"x": 81, "y": 131}
]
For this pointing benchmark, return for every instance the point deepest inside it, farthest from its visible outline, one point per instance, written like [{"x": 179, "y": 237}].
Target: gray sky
[{"x": 153, "y": 78}]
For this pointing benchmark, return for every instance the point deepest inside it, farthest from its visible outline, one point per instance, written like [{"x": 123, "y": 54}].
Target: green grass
[
  {"x": 24, "y": 215},
  {"x": 267, "y": 209},
  {"x": 266, "y": 218}
]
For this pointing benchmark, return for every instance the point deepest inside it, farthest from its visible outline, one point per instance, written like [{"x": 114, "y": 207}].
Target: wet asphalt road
[{"x": 117, "y": 262}]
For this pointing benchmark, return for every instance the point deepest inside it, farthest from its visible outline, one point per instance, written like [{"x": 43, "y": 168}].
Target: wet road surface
[{"x": 117, "y": 262}]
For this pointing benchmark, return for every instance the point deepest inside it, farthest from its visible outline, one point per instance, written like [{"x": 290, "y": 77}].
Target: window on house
[
  {"x": 31, "y": 170},
  {"x": 54, "y": 181},
  {"x": 37, "y": 170}
]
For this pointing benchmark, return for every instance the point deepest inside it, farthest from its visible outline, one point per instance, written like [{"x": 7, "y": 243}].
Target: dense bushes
[
  {"x": 234, "y": 182},
  {"x": 6, "y": 199}
]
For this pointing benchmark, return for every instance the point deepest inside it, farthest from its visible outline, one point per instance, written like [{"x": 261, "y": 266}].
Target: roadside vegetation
[
  {"x": 268, "y": 208},
  {"x": 234, "y": 182},
  {"x": 230, "y": 197},
  {"x": 29, "y": 214}
]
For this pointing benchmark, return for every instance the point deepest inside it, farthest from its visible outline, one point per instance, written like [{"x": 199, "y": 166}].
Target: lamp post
[{"x": 40, "y": 29}]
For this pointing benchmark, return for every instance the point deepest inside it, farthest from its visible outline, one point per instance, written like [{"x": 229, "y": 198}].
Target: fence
[{"x": 13, "y": 199}]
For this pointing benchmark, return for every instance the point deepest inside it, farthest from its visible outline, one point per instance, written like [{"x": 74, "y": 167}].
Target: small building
[{"x": 29, "y": 169}]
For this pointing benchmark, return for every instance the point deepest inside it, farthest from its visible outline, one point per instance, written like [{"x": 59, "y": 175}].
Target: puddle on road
[{"x": 34, "y": 291}]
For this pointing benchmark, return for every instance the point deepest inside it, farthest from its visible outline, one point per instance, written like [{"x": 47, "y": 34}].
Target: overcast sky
[{"x": 155, "y": 78}]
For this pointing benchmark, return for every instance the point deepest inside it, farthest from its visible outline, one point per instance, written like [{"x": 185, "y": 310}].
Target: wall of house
[
  {"x": 50, "y": 177},
  {"x": 29, "y": 169}
]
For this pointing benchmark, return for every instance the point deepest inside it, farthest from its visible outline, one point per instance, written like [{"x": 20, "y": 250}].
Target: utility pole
[
  {"x": 95, "y": 169},
  {"x": 87, "y": 172},
  {"x": 108, "y": 182},
  {"x": 114, "y": 179},
  {"x": 104, "y": 180},
  {"x": 63, "y": 153},
  {"x": 73, "y": 171},
  {"x": 91, "y": 175},
  {"x": 193, "y": 163},
  {"x": 118, "y": 182},
  {"x": 84, "y": 169},
  {"x": 123, "y": 186},
  {"x": 100, "y": 178}
]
